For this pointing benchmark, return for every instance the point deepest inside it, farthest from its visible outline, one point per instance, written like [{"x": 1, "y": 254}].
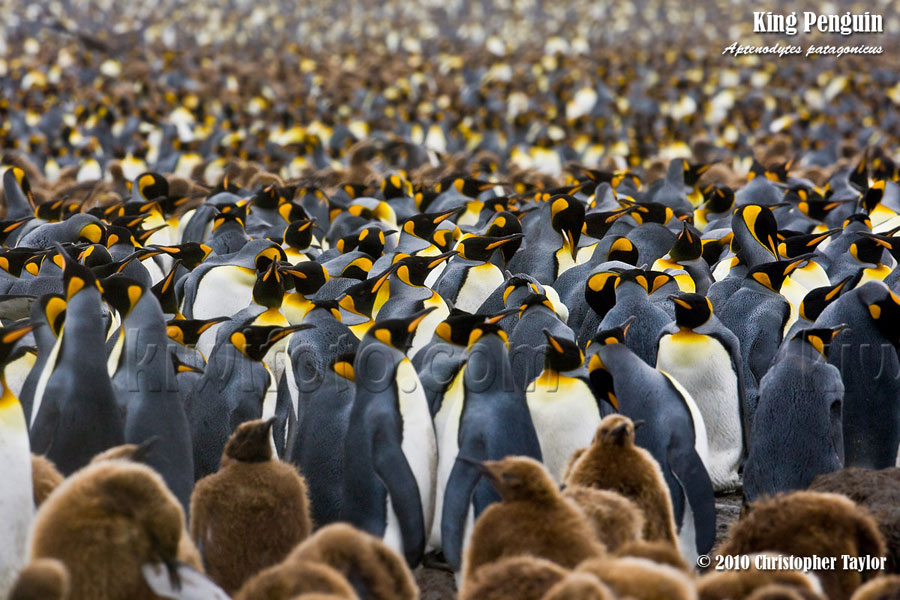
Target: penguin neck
[
  {"x": 271, "y": 316},
  {"x": 8, "y": 400}
]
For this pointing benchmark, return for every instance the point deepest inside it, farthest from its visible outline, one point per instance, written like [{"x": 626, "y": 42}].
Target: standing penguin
[
  {"x": 146, "y": 388},
  {"x": 705, "y": 357},
  {"x": 16, "y": 496},
  {"x": 75, "y": 415},
  {"x": 563, "y": 407},
  {"x": 252, "y": 512},
  {"x": 391, "y": 453},
  {"x": 470, "y": 277},
  {"x": 483, "y": 419},
  {"x": 797, "y": 432},
  {"x": 866, "y": 355}
]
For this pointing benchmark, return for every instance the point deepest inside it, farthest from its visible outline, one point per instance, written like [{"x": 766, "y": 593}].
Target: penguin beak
[
  {"x": 144, "y": 448},
  {"x": 638, "y": 424},
  {"x": 418, "y": 319},
  {"x": 618, "y": 434},
  {"x": 483, "y": 467},
  {"x": 269, "y": 423},
  {"x": 496, "y": 318}
]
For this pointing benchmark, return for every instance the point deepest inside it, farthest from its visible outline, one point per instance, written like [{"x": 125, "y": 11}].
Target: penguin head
[
  {"x": 95, "y": 255},
  {"x": 466, "y": 186},
  {"x": 370, "y": 240},
  {"x": 870, "y": 247},
  {"x": 502, "y": 224},
  {"x": 150, "y": 186},
  {"x": 759, "y": 222},
  {"x": 396, "y": 185},
  {"x": 518, "y": 287},
  {"x": 53, "y": 309},
  {"x": 480, "y": 247},
  {"x": 650, "y": 281},
  {"x": 8, "y": 227},
  {"x": 791, "y": 246},
  {"x": 562, "y": 354},
  {"x": 567, "y": 219},
  {"x": 360, "y": 297},
  {"x": 227, "y": 217},
  {"x": 600, "y": 378},
  {"x": 413, "y": 270},
  {"x": 691, "y": 310},
  {"x": 616, "y": 335},
  {"x": 817, "y": 299},
  {"x": 535, "y": 300},
  {"x": 191, "y": 254},
  {"x": 598, "y": 223},
  {"x": 188, "y": 331},
  {"x": 76, "y": 276},
  {"x": 771, "y": 275},
  {"x": 180, "y": 366},
  {"x": 268, "y": 289},
  {"x": 398, "y": 333},
  {"x": 299, "y": 234},
  {"x": 650, "y": 212},
  {"x": 333, "y": 308},
  {"x": 719, "y": 198},
  {"x": 457, "y": 328},
  {"x": 358, "y": 268},
  {"x": 445, "y": 238},
  {"x": 250, "y": 442},
  {"x": 820, "y": 338},
  {"x": 254, "y": 341},
  {"x": 616, "y": 431},
  {"x": 10, "y": 336},
  {"x": 623, "y": 250},
  {"x": 307, "y": 276},
  {"x": 517, "y": 478},
  {"x": 14, "y": 260},
  {"x": 687, "y": 245},
  {"x": 883, "y": 306},
  {"x": 121, "y": 293},
  {"x": 423, "y": 225},
  {"x": 487, "y": 328}
]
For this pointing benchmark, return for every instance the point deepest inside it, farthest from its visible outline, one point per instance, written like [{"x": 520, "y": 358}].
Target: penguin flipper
[
  {"x": 458, "y": 497},
  {"x": 181, "y": 582},
  {"x": 687, "y": 467},
  {"x": 394, "y": 471}
]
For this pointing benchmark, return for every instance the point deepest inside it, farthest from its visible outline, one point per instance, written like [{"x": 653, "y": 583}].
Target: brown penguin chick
[
  {"x": 886, "y": 587},
  {"x": 876, "y": 490},
  {"x": 616, "y": 519},
  {"x": 579, "y": 586},
  {"x": 514, "y": 577},
  {"x": 532, "y": 518},
  {"x": 374, "y": 570},
  {"x": 43, "y": 579},
  {"x": 293, "y": 578},
  {"x": 104, "y": 522},
  {"x": 741, "y": 583},
  {"x": 641, "y": 579},
  {"x": 659, "y": 552},
  {"x": 614, "y": 463},
  {"x": 252, "y": 512},
  {"x": 44, "y": 478},
  {"x": 811, "y": 524}
]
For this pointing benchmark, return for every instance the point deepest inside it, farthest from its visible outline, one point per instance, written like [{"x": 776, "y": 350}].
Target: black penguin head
[
  {"x": 360, "y": 297},
  {"x": 446, "y": 238},
  {"x": 413, "y": 270},
  {"x": 596, "y": 224},
  {"x": 188, "y": 331},
  {"x": 562, "y": 354},
  {"x": 13, "y": 260},
  {"x": 268, "y": 290},
  {"x": 191, "y": 254},
  {"x": 370, "y": 240},
  {"x": 820, "y": 338},
  {"x": 307, "y": 277},
  {"x": 691, "y": 310},
  {"x": 567, "y": 218},
  {"x": 759, "y": 221},
  {"x": 535, "y": 300},
  {"x": 518, "y": 287},
  {"x": 797, "y": 245},
  {"x": 395, "y": 185},
  {"x": 423, "y": 225},
  {"x": 651, "y": 281},
  {"x": 119, "y": 235},
  {"x": 870, "y": 246},
  {"x": 9, "y": 337},
  {"x": 488, "y": 327},
  {"x": 122, "y": 293},
  {"x": 687, "y": 245},
  {"x": 227, "y": 217},
  {"x": 151, "y": 186},
  {"x": 600, "y": 378},
  {"x": 481, "y": 247},
  {"x": 616, "y": 335},
  {"x": 818, "y": 299},
  {"x": 616, "y": 431},
  {"x": 872, "y": 197},
  {"x": 250, "y": 441},
  {"x": 466, "y": 186},
  {"x": 884, "y": 308},
  {"x": 719, "y": 198},
  {"x": 333, "y": 308},
  {"x": 53, "y": 307},
  {"x": 398, "y": 333},
  {"x": 458, "y": 326},
  {"x": 299, "y": 234},
  {"x": 505, "y": 223},
  {"x": 651, "y": 212},
  {"x": 76, "y": 276},
  {"x": 254, "y": 341},
  {"x": 771, "y": 275},
  {"x": 358, "y": 268},
  {"x": 622, "y": 249}
]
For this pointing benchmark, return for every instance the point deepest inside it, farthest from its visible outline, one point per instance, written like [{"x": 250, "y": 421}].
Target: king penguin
[
  {"x": 797, "y": 432},
  {"x": 470, "y": 277},
  {"x": 482, "y": 419},
  {"x": 16, "y": 496},
  {"x": 705, "y": 357},
  {"x": 390, "y": 457},
  {"x": 75, "y": 415}
]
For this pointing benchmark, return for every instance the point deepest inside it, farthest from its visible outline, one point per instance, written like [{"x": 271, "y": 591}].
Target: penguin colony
[{"x": 296, "y": 301}]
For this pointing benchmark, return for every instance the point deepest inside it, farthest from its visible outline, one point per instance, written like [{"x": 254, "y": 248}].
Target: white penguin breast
[
  {"x": 480, "y": 281},
  {"x": 419, "y": 443},
  {"x": 565, "y": 417},
  {"x": 446, "y": 425},
  {"x": 222, "y": 291},
  {"x": 16, "y": 495}
]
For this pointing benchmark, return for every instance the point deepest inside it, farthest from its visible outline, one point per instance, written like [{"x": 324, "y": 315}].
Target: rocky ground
[{"x": 437, "y": 584}]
